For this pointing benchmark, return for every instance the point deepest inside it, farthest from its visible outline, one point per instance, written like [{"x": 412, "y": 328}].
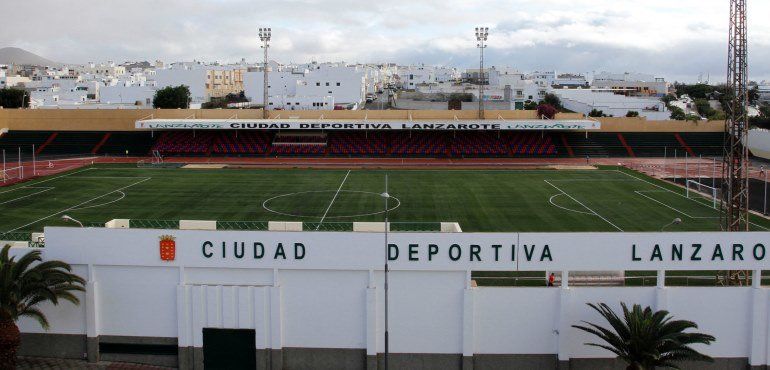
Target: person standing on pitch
[{"x": 551, "y": 279}]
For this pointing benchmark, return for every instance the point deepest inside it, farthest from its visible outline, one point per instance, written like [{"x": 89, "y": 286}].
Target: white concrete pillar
[
  {"x": 371, "y": 321},
  {"x": 261, "y": 316},
  {"x": 565, "y": 279},
  {"x": 661, "y": 278},
  {"x": 564, "y": 321},
  {"x": 276, "y": 328},
  {"x": 661, "y": 293},
  {"x": 92, "y": 316},
  {"x": 184, "y": 331},
  {"x": 276, "y": 340},
  {"x": 469, "y": 343},
  {"x": 759, "y": 322},
  {"x": 184, "y": 327}
]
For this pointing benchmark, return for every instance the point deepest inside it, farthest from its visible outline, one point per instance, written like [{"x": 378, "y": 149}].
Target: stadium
[
  {"x": 218, "y": 239},
  {"x": 95, "y": 160}
]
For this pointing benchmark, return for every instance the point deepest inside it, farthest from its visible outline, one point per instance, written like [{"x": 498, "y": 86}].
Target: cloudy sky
[{"x": 677, "y": 39}]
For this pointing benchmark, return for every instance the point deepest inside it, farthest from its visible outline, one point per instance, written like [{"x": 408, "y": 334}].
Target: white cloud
[{"x": 567, "y": 35}]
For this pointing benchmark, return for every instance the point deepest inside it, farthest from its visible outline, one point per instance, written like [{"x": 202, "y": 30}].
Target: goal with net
[
  {"x": 12, "y": 174},
  {"x": 155, "y": 161},
  {"x": 699, "y": 191}
]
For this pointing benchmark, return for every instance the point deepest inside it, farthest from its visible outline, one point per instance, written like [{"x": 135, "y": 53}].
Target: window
[
  {"x": 318, "y": 84},
  {"x": 338, "y": 83},
  {"x": 327, "y": 84}
]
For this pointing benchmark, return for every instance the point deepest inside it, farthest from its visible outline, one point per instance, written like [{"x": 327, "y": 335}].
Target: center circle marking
[{"x": 268, "y": 200}]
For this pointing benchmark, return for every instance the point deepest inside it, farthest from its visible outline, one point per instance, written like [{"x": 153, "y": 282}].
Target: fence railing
[
  {"x": 242, "y": 225},
  {"x": 16, "y": 236},
  {"x": 263, "y": 225},
  {"x": 153, "y": 224}
]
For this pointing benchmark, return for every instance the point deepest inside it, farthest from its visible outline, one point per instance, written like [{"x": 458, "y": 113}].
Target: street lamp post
[
  {"x": 675, "y": 221},
  {"x": 481, "y": 38},
  {"x": 387, "y": 338},
  {"x": 264, "y": 37},
  {"x": 70, "y": 219}
]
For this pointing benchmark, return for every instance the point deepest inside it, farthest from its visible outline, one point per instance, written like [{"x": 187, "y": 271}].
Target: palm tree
[
  {"x": 645, "y": 339},
  {"x": 24, "y": 284}
]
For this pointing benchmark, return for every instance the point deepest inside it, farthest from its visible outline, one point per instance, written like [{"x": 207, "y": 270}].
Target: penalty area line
[
  {"x": 80, "y": 204},
  {"x": 584, "y": 206}
]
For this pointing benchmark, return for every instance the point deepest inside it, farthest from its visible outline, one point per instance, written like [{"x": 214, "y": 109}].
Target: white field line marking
[
  {"x": 597, "y": 180},
  {"x": 584, "y": 206},
  {"x": 759, "y": 226},
  {"x": 663, "y": 204},
  {"x": 45, "y": 189},
  {"x": 54, "y": 178},
  {"x": 333, "y": 199},
  {"x": 683, "y": 196},
  {"x": 565, "y": 208},
  {"x": 32, "y": 185},
  {"x": 641, "y": 192},
  {"x": 80, "y": 204},
  {"x": 109, "y": 177},
  {"x": 122, "y": 195},
  {"x": 268, "y": 200}
]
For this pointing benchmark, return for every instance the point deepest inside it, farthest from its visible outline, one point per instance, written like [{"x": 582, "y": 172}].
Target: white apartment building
[
  {"x": 13, "y": 81},
  {"x": 346, "y": 83},
  {"x": 136, "y": 95},
  {"x": 764, "y": 92},
  {"x": 504, "y": 76},
  {"x": 193, "y": 75},
  {"x": 632, "y": 84},
  {"x": 446, "y": 74},
  {"x": 64, "y": 94},
  {"x": 410, "y": 77},
  {"x": 311, "y": 83},
  {"x": 611, "y": 104},
  {"x": 570, "y": 81},
  {"x": 105, "y": 69},
  {"x": 544, "y": 79},
  {"x": 296, "y": 102}
]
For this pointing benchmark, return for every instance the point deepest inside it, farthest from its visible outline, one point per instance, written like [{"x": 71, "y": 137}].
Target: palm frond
[
  {"x": 28, "y": 281},
  {"x": 646, "y": 338}
]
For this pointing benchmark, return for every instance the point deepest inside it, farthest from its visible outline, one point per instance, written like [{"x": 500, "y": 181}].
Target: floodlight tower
[
  {"x": 264, "y": 37},
  {"x": 481, "y": 37},
  {"x": 735, "y": 169},
  {"x": 735, "y": 198}
]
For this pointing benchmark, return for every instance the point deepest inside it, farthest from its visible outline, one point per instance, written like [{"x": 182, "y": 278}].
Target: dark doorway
[{"x": 229, "y": 349}]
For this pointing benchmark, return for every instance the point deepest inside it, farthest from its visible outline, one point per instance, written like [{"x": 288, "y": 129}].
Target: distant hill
[{"x": 21, "y": 56}]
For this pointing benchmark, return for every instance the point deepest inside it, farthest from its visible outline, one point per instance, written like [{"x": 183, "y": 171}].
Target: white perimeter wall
[{"x": 431, "y": 311}]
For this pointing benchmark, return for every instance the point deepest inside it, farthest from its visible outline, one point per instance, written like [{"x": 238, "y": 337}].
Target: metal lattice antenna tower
[
  {"x": 481, "y": 36},
  {"x": 264, "y": 37},
  {"x": 735, "y": 197},
  {"x": 735, "y": 174}
]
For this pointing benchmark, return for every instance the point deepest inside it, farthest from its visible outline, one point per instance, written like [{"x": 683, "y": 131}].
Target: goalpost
[
  {"x": 12, "y": 173},
  {"x": 698, "y": 190},
  {"x": 155, "y": 160}
]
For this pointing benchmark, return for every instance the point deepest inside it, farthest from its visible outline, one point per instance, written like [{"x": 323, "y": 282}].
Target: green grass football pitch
[{"x": 607, "y": 199}]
